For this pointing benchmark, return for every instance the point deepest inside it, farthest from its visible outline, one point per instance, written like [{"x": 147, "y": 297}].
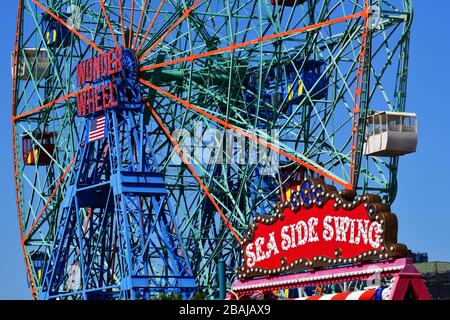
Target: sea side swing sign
[
  {"x": 320, "y": 227},
  {"x": 322, "y": 236}
]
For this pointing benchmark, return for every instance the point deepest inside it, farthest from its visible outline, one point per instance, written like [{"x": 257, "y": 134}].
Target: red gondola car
[{"x": 38, "y": 154}]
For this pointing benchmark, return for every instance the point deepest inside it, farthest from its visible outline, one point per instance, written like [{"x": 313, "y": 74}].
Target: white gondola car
[
  {"x": 391, "y": 134},
  {"x": 36, "y": 63}
]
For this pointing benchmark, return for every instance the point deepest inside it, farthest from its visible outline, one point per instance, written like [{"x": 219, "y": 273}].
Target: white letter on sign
[
  {"x": 375, "y": 230},
  {"x": 251, "y": 257},
  {"x": 313, "y": 236},
  {"x": 328, "y": 233},
  {"x": 286, "y": 243},
  {"x": 260, "y": 256},
  {"x": 272, "y": 246}
]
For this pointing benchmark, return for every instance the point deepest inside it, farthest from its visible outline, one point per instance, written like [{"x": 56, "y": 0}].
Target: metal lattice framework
[{"x": 222, "y": 67}]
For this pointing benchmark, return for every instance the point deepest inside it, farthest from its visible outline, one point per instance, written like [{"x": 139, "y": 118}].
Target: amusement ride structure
[{"x": 110, "y": 98}]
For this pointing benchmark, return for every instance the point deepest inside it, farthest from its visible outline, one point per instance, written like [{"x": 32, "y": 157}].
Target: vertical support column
[
  {"x": 222, "y": 279},
  {"x": 361, "y": 99}
]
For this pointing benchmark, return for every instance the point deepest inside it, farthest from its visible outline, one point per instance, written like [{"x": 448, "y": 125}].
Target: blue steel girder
[{"x": 117, "y": 236}]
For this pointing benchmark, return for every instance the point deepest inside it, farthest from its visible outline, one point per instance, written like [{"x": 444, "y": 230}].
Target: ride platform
[{"x": 406, "y": 283}]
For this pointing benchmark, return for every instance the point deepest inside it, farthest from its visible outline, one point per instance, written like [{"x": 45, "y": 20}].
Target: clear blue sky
[{"x": 424, "y": 178}]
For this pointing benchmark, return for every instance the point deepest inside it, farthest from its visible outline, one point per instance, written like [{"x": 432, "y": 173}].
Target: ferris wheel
[{"x": 148, "y": 134}]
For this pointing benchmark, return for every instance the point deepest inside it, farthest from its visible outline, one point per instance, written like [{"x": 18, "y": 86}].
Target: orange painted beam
[
  {"x": 41, "y": 214},
  {"x": 275, "y": 36},
  {"x": 50, "y": 104},
  {"x": 72, "y": 29},
  {"x": 102, "y": 6},
  {"x": 192, "y": 170},
  {"x": 250, "y": 136},
  {"x": 141, "y": 18},
  {"x": 151, "y": 25},
  {"x": 15, "y": 152},
  {"x": 358, "y": 97},
  {"x": 130, "y": 36},
  {"x": 186, "y": 14},
  {"x": 122, "y": 23}
]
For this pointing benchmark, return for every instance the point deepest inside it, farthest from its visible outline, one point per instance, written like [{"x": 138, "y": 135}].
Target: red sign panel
[
  {"x": 320, "y": 227},
  {"x": 97, "y": 69}
]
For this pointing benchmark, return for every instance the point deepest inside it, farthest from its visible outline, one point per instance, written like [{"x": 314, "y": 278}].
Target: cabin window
[{"x": 409, "y": 124}]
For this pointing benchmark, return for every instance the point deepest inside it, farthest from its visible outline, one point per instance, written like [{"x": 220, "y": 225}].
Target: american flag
[{"x": 97, "y": 130}]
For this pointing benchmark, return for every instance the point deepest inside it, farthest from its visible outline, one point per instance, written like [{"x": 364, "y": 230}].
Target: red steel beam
[
  {"x": 102, "y": 5},
  {"x": 141, "y": 18},
  {"x": 130, "y": 36},
  {"x": 275, "y": 36},
  {"x": 15, "y": 152},
  {"x": 72, "y": 29},
  {"x": 250, "y": 136},
  {"x": 358, "y": 97},
  {"x": 193, "y": 172},
  {"x": 50, "y": 104},
  {"x": 186, "y": 14},
  {"x": 122, "y": 23},
  {"x": 41, "y": 214},
  {"x": 151, "y": 25}
]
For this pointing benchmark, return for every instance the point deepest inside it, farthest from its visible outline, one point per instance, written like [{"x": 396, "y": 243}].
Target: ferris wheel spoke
[
  {"x": 54, "y": 193},
  {"x": 108, "y": 22},
  {"x": 149, "y": 29},
  {"x": 248, "y": 135},
  {"x": 139, "y": 26},
  {"x": 194, "y": 173},
  {"x": 122, "y": 22},
  {"x": 65, "y": 24},
  {"x": 50, "y": 104},
  {"x": 185, "y": 15},
  {"x": 261, "y": 40},
  {"x": 130, "y": 35}
]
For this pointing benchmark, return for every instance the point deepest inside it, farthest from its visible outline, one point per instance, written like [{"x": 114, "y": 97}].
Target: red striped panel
[
  {"x": 314, "y": 298},
  {"x": 368, "y": 295},
  {"x": 361, "y": 295},
  {"x": 341, "y": 296}
]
